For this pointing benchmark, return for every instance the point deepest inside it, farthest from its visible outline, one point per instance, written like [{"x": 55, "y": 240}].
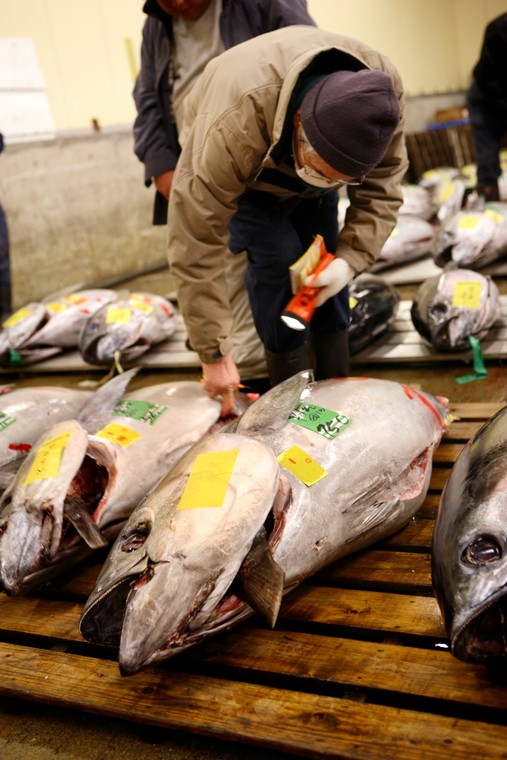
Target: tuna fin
[
  {"x": 272, "y": 409},
  {"x": 260, "y": 581},
  {"x": 84, "y": 524},
  {"x": 97, "y": 410}
]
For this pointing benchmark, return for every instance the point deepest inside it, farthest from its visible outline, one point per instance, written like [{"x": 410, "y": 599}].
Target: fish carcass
[
  {"x": 38, "y": 331},
  {"x": 373, "y": 307},
  {"x": 127, "y": 329},
  {"x": 473, "y": 238},
  {"x": 451, "y": 307},
  {"x": 410, "y": 239},
  {"x": 417, "y": 201},
  {"x": 83, "y": 478},
  {"x": 311, "y": 472},
  {"x": 469, "y": 552},
  {"x": 24, "y": 414}
]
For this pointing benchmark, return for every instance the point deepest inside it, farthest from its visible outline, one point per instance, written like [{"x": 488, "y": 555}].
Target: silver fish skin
[
  {"x": 473, "y": 238},
  {"x": 447, "y": 326},
  {"x": 411, "y": 238},
  {"x": 128, "y": 449},
  {"x": 38, "y": 331},
  {"x": 134, "y": 324},
  {"x": 24, "y": 415},
  {"x": 139, "y": 602},
  {"x": 469, "y": 551},
  {"x": 32, "y": 507}
]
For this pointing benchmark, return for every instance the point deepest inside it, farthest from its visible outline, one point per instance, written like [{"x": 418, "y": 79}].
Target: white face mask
[{"x": 312, "y": 176}]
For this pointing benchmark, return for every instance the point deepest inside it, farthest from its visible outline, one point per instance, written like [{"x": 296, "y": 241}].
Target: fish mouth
[{"x": 483, "y": 638}]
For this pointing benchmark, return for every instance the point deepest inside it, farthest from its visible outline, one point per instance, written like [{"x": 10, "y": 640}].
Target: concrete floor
[{"x": 30, "y": 731}]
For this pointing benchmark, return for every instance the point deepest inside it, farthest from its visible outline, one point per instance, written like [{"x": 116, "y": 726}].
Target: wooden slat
[
  {"x": 314, "y": 725},
  {"x": 404, "y": 569},
  {"x": 365, "y": 664},
  {"x": 369, "y": 610}
]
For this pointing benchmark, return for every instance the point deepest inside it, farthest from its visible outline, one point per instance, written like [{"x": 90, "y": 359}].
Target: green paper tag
[
  {"x": 326, "y": 422},
  {"x": 6, "y": 421},
  {"x": 14, "y": 358},
  {"x": 144, "y": 411}
]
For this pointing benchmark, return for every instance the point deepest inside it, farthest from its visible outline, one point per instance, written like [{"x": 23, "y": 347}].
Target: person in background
[
  {"x": 179, "y": 38},
  {"x": 272, "y": 128},
  {"x": 5, "y": 263},
  {"x": 487, "y": 107}
]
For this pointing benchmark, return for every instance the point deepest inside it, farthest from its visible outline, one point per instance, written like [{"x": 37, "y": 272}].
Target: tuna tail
[
  {"x": 97, "y": 411},
  {"x": 260, "y": 581}
]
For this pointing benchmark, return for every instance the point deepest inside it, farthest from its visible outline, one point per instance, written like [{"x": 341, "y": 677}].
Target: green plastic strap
[{"x": 478, "y": 361}]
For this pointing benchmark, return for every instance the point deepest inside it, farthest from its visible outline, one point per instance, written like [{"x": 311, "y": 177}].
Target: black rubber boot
[
  {"x": 331, "y": 351},
  {"x": 282, "y": 366}
]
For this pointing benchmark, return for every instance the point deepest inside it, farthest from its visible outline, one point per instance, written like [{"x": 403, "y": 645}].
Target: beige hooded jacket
[{"x": 235, "y": 122}]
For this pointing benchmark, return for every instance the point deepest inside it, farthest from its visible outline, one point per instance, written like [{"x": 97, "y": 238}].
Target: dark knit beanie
[{"x": 349, "y": 118}]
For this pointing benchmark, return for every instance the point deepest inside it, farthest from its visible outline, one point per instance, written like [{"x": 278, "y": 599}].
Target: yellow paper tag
[
  {"x": 115, "y": 314},
  {"x": 352, "y": 302},
  {"x": 468, "y": 222},
  {"x": 48, "y": 459},
  {"x": 56, "y": 307},
  {"x": 75, "y": 298},
  {"x": 446, "y": 192},
  {"x": 18, "y": 316},
  {"x": 394, "y": 232},
  {"x": 306, "y": 469},
  {"x": 209, "y": 480},
  {"x": 498, "y": 218},
  {"x": 140, "y": 302},
  {"x": 120, "y": 434},
  {"x": 467, "y": 295}
]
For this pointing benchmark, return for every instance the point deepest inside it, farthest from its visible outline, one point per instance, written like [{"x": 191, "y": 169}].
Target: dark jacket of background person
[
  {"x": 155, "y": 135},
  {"x": 487, "y": 105}
]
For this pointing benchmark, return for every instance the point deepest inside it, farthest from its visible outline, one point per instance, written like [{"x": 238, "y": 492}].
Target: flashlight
[{"x": 299, "y": 310}]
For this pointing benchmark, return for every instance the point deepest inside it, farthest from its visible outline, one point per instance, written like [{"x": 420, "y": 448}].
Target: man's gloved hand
[
  {"x": 221, "y": 379},
  {"x": 332, "y": 279}
]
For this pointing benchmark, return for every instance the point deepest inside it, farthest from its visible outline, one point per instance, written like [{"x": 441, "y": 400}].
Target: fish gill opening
[{"x": 83, "y": 495}]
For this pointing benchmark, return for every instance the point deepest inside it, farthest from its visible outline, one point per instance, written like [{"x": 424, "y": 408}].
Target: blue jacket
[{"x": 155, "y": 135}]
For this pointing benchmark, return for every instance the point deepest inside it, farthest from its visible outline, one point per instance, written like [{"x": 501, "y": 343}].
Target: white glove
[{"x": 332, "y": 279}]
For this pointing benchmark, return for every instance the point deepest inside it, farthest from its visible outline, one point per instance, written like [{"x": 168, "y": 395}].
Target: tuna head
[
  {"x": 469, "y": 559},
  {"x": 451, "y": 307},
  {"x": 181, "y": 549},
  {"x": 31, "y": 515}
]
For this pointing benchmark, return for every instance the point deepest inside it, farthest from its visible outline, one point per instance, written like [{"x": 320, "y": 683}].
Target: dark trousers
[
  {"x": 275, "y": 233},
  {"x": 5, "y": 268},
  {"x": 488, "y": 122}
]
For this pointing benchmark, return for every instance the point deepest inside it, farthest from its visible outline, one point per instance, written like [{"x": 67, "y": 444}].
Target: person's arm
[{"x": 151, "y": 139}]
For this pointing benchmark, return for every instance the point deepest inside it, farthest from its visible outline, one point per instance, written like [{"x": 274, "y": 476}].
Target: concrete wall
[{"x": 78, "y": 213}]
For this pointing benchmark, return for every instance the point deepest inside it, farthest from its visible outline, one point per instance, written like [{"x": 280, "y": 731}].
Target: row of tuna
[
  {"x": 226, "y": 517},
  {"x": 439, "y": 217},
  {"x": 102, "y": 324},
  {"x": 448, "y": 310}
]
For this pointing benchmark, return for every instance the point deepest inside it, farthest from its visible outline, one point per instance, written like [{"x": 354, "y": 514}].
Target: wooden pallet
[{"x": 357, "y": 666}]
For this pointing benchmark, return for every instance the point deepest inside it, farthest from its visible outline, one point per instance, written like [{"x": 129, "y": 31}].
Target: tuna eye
[
  {"x": 438, "y": 309},
  {"x": 482, "y": 551},
  {"x": 134, "y": 541}
]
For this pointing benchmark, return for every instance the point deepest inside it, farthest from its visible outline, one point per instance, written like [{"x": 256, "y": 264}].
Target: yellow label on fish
[
  {"x": 446, "y": 192},
  {"x": 498, "y": 218},
  {"x": 394, "y": 232},
  {"x": 209, "y": 480},
  {"x": 467, "y": 295},
  {"x": 468, "y": 222},
  {"x": 75, "y": 298},
  {"x": 17, "y": 317},
  {"x": 56, "y": 307},
  {"x": 301, "y": 464},
  {"x": 48, "y": 459},
  {"x": 352, "y": 302},
  {"x": 116, "y": 314},
  {"x": 120, "y": 434},
  {"x": 138, "y": 302}
]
